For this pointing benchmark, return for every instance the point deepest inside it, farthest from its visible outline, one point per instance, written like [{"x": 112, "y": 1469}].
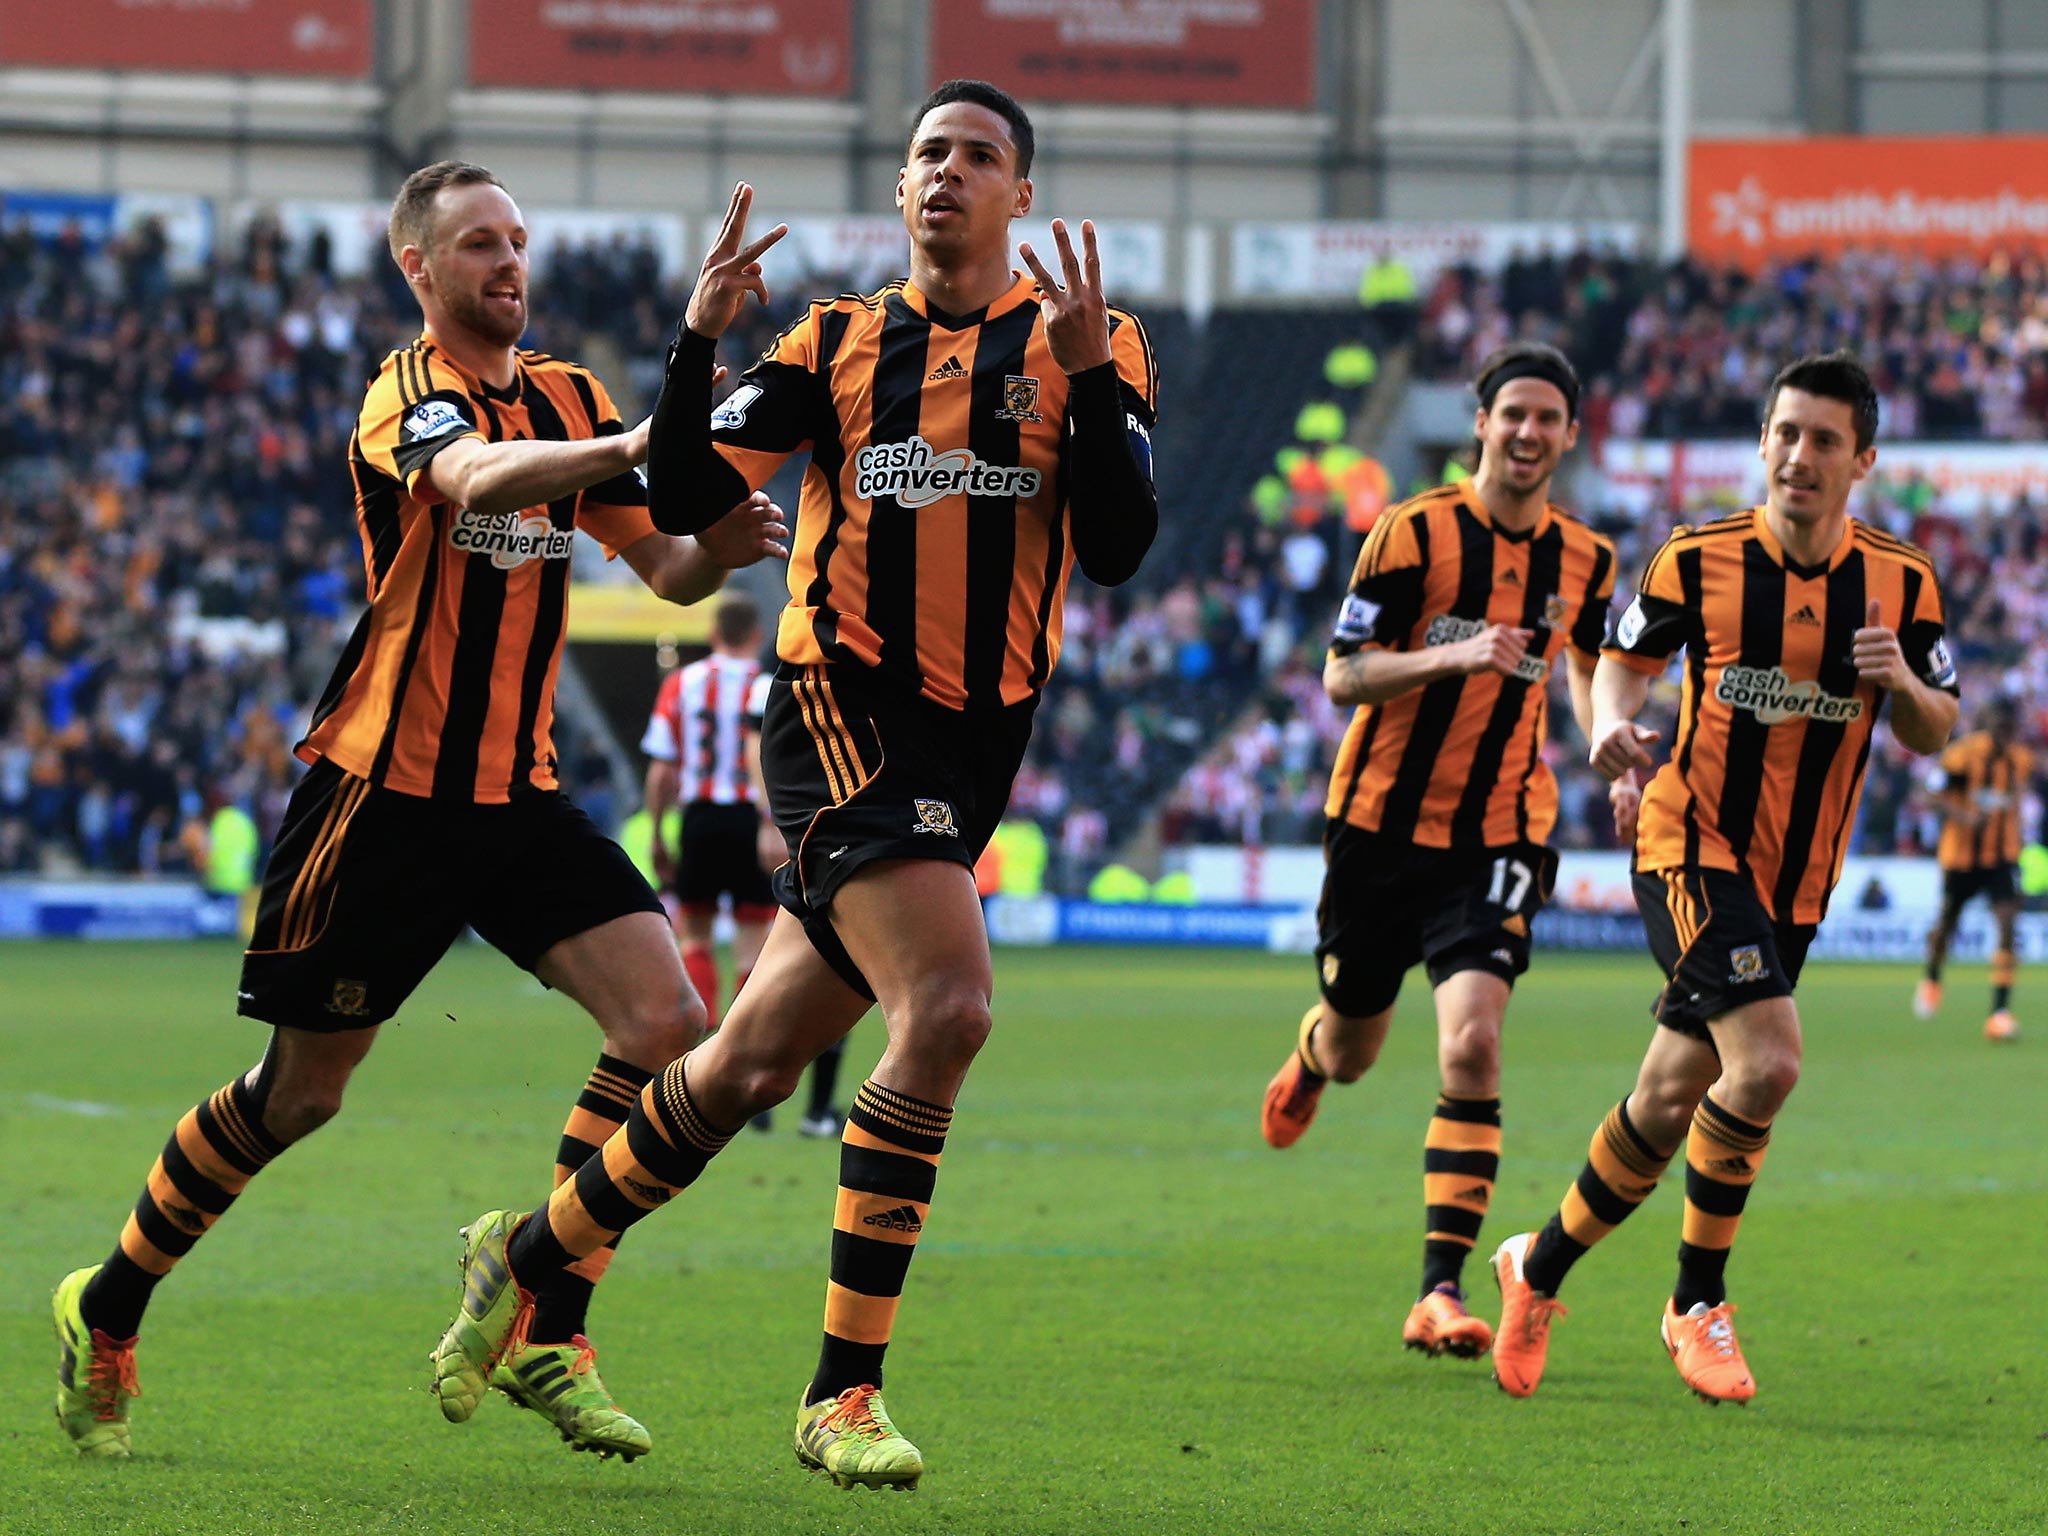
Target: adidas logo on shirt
[
  {"x": 1805, "y": 616},
  {"x": 949, "y": 369}
]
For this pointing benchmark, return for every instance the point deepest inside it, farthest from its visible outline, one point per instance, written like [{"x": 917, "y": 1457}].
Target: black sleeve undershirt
[
  {"x": 1113, "y": 505},
  {"x": 690, "y": 486}
]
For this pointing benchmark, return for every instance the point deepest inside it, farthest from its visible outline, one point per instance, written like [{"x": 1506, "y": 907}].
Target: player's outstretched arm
[
  {"x": 688, "y": 570},
  {"x": 510, "y": 476}
]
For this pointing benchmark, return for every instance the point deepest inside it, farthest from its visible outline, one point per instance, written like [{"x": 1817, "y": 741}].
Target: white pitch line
[{"x": 84, "y": 1107}]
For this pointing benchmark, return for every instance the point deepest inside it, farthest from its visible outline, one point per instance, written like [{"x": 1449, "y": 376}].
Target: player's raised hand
[
  {"x": 1877, "y": 653},
  {"x": 1076, "y": 314},
  {"x": 754, "y": 530},
  {"x": 1498, "y": 648},
  {"x": 731, "y": 270},
  {"x": 1622, "y": 749}
]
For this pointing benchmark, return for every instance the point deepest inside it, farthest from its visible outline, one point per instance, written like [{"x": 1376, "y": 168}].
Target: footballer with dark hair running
[
  {"x": 1798, "y": 623},
  {"x": 974, "y": 434},
  {"x": 1440, "y": 801}
]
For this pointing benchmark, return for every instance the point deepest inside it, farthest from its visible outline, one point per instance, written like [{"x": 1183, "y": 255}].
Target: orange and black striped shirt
[
  {"x": 1989, "y": 780},
  {"x": 934, "y": 538},
  {"x": 1458, "y": 762},
  {"x": 1774, "y": 724},
  {"x": 447, "y": 686}
]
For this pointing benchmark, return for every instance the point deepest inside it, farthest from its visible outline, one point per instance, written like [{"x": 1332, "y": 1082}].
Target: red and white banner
[
  {"x": 1755, "y": 200},
  {"x": 1195, "y": 53},
  {"x": 721, "y": 47},
  {"x": 240, "y": 37}
]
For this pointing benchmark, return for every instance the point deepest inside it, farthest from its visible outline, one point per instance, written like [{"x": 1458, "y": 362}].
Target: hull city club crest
[{"x": 1020, "y": 398}]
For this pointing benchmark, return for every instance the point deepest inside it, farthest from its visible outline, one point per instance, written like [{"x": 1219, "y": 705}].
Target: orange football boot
[
  {"x": 1926, "y": 998},
  {"x": 1522, "y": 1342},
  {"x": 1439, "y": 1325},
  {"x": 2002, "y": 1026},
  {"x": 1292, "y": 1096},
  {"x": 1703, "y": 1347}
]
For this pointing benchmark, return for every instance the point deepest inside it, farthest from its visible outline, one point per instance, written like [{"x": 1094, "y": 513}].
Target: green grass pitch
[{"x": 1126, "y": 1315}]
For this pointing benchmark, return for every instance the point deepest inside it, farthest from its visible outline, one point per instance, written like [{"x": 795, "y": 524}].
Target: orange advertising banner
[
  {"x": 1758, "y": 200},
  {"x": 241, "y": 37},
  {"x": 765, "y": 47}
]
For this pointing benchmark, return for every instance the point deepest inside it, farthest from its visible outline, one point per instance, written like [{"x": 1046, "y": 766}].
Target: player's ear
[
  {"x": 1863, "y": 463},
  {"x": 902, "y": 181},
  {"x": 1571, "y": 434},
  {"x": 1479, "y": 424},
  {"x": 412, "y": 261},
  {"x": 1023, "y": 203}
]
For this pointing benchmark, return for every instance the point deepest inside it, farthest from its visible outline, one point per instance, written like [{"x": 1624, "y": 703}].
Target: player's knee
[
  {"x": 658, "y": 1030},
  {"x": 1470, "y": 1052},
  {"x": 949, "y": 1020},
  {"x": 295, "y": 1111},
  {"x": 1762, "y": 1082}
]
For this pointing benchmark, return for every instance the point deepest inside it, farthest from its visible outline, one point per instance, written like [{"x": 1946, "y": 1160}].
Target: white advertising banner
[
  {"x": 865, "y": 251},
  {"x": 1311, "y": 260},
  {"x": 1971, "y": 477},
  {"x": 357, "y": 232}
]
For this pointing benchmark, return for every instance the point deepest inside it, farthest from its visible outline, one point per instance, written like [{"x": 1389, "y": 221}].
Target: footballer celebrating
[
  {"x": 1440, "y": 801},
  {"x": 1799, "y": 623}
]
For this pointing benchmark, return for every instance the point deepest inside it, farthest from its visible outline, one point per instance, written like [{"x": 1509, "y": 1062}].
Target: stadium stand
[{"x": 178, "y": 564}]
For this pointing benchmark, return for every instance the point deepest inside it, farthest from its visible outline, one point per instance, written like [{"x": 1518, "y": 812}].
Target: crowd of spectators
[
  {"x": 179, "y": 565},
  {"x": 178, "y": 559},
  {"x": 1958, "y": 347}
]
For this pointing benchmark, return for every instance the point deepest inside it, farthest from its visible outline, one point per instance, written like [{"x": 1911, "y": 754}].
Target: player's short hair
[
  {"x": 1528, "y": 360},
  {"x": 412, "y": 211},
  {"x": 1832, "y": 376},
  {"x": 736, "y": 619},
  {"x": 999, "y": 101}
]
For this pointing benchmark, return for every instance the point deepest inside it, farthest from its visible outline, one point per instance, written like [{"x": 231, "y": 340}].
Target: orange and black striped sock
[
  {"x": 2005, "y": 968},
  {"x": 1621, "y": 1172},
  {"x": 562, "y": 1300},
  {"x": 656, "y": 1155},
  {"x": 1460, "y": 1161},
  {"x": 888, "y": 1164},
  {"x": 218, "y": 1147},
  {"x": 1722, "y": 1158}
]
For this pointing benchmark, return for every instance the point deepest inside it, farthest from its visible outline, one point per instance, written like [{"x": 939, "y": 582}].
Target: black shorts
[
  {"x": 1388, "y": 905},
  {"x": 1959, "y": 886},
  {"x": 719, "y": 857},
  {"x": 366, "y": 889},
  {"x": 857, "y": 771},
  {"x": 1717, "y": 945}
]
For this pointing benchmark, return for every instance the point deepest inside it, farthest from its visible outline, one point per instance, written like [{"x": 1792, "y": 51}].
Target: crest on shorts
[
  {"x": 1330, "y": 965},
  {"x": 1553, "y": 610},
  {"x": 1748, "y": 962},
  {"x": 1020, "y": 398},
  {"x": 351, "y": 999},
  {"x": 935, "y": 816}
]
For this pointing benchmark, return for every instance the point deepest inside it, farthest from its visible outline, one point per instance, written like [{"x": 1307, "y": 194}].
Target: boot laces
[
  {"x": 1536, "y": 1321},
  {"x": 586, "y": 1356},
  {"x": 1717, "y": 1332},
  {"x": 854, "y": 1415},
  {"x": 111, "y": 1375}
]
